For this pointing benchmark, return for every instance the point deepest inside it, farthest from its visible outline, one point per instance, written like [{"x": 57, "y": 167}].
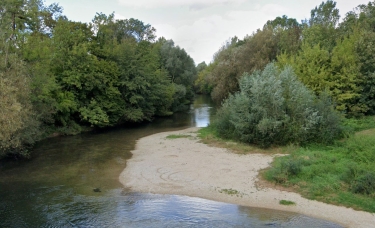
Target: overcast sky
[{"x": 199, "y": 26}]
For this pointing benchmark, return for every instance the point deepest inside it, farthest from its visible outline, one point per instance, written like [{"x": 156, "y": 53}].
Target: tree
[
  {"x": 224, "y": 72},
  {"x": 346, "y": 77},
  {"x": 134, "y": 28},
  {"x": 326, "y": 14},
  {"x": 19, "y": 125},
  {"x": 365, "y": 51},
  {"x": 321, "y": 27},
  {"x": 360, "y": 24},
  {"x": 337, "y": 73},
  {"x": 87, "y": 92},
  {"x": 201, "y": 66},
  {"x": 203, "y": 84},
  {"x": 181, "y": 70},
  {"x": 287, "y": 32},
  {"x": 311, "y": 66},
  {"x": 239, "y": 56}
]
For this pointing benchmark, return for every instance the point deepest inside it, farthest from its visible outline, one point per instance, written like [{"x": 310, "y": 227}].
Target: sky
[{"x": 201, "y": 27}]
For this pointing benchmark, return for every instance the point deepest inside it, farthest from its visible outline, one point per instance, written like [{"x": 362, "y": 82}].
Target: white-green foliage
[{"x": 273, "y": 107}]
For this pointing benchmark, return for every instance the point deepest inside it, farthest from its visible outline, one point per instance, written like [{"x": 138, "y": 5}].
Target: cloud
[
  {"x": 202, "y": 38},
  {"x": 119, "y": 17},
  {"x": 192, "y": 4},
  {"x": 273, "y": 9}
]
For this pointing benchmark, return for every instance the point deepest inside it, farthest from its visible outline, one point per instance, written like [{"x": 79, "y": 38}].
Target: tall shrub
[{"x": 273, "y": 107}]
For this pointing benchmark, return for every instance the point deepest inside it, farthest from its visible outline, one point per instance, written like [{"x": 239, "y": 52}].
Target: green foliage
[
  {"x": 287, "y": 202},
  {"x": 286, "y": 169},
  {"x": 311, "y": 66},
  {"x": 337, "y": 73},
  {"x": 360, "y": 23},
  {"x": 144, "y": 85},
  {"x": 342, "y": 173},
  {"x": 364, "y": 184},
  {"x": 254, "y": 52},
  {"x": 179, "y": 101},
  {"x": 321, "y": 27},
  {"x": 237, "y": 57},
  {"x": 287, "y": 34},
  {"x": 201, "y": 66},
  {"x": 115, "y": 80},
  {"x": 346, "y": 77},
  {"x": 181, "y": 70},
  {"x": 365, "y": 47},
  {"x": 89, "y": 86},
  {"x": 62, "y": 76},
  {"x": 133, "y": 28},
  {"x": 108, "y": 72},
  {"x": 206, "y": 131},
  {"x": 224, "y": 74},
  {"x": 291, "y": 168},
  {"x": 326, "y": 14},
  {"x": 203, "y": 83},
  {"x": 222, "y": 124},
  {"x": 19, "y": 123},
  {"x": 359, "y": 124},
  {"x": 178, "y": 136},
  {"x": 19, "y": 126},
  {"x": 273, "y": 107},
  {"x": 93, "y": 114},
  {"x": 231, "y": 192}
]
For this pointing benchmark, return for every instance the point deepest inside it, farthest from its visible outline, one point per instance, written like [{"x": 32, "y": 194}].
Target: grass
[
  {"x": 360, "y": 124},
  {"x": 287, "y": 202},
  {"x": 209, "y": 137},
  {"x": 341, "y": 174},
  {"x": 231, "y": 192},
  {"x": 178, "y": 136}
]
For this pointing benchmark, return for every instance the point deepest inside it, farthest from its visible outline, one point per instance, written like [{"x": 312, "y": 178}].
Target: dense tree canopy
[{"x": 58, "y": 75}]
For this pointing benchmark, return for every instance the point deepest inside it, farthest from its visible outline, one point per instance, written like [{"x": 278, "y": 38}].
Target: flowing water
[{"x": 73, "y": 182}]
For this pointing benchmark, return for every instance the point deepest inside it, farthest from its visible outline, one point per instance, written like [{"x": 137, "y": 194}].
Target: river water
[{"x": 56, "y": 187}]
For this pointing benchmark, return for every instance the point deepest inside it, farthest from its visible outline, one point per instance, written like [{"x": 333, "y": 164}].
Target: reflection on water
[
  {"x": 119, "y": 208},
  {"x": 203, "y": 110},
  {"x": 55, "y": 188}
]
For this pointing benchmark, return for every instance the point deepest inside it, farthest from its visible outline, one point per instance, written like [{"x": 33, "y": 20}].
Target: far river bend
[{"x": 56, "y": 187}]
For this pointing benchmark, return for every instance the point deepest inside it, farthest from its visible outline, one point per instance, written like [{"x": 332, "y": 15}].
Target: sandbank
[{"x": 185, "y": 166}]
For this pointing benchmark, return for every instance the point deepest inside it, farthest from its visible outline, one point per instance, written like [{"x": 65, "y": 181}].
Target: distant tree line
[
  {"x": 58, "y": 75},
  {"x": 328, "y": 55}
]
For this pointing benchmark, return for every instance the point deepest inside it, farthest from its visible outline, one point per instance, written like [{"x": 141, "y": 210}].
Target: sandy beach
[{"x": 184, "y": 166}]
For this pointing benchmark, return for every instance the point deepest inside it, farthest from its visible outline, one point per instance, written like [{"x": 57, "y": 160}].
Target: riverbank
[{"x": 184, "y": 166}]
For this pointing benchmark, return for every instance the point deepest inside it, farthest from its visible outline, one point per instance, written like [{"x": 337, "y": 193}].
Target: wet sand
[{"x": 184, "y": 166}]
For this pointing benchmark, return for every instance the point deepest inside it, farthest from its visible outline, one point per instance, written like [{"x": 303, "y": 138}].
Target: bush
[
  {"x": 286, "y": 168},
  {"x": 292, "y": 167},
  {"x": 365, "y": 184},
  {"x": 273, "y": 107},
  {"x": 222, "y": 124}
]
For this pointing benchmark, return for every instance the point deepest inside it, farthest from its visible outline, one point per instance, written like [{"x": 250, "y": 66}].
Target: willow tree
[{"x": 274, "y": 107}]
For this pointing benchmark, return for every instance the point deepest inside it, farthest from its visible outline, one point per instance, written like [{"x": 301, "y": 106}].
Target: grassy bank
[
  {"x": 341, "y": 174},
  {"x": 209, "y": 136}
]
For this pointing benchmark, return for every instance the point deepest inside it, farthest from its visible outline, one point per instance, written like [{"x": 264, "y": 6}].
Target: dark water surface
[{"x": 56, "y": 187}]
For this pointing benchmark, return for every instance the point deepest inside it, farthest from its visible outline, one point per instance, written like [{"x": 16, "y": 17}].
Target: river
[{"x": 73, "y": 182}]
